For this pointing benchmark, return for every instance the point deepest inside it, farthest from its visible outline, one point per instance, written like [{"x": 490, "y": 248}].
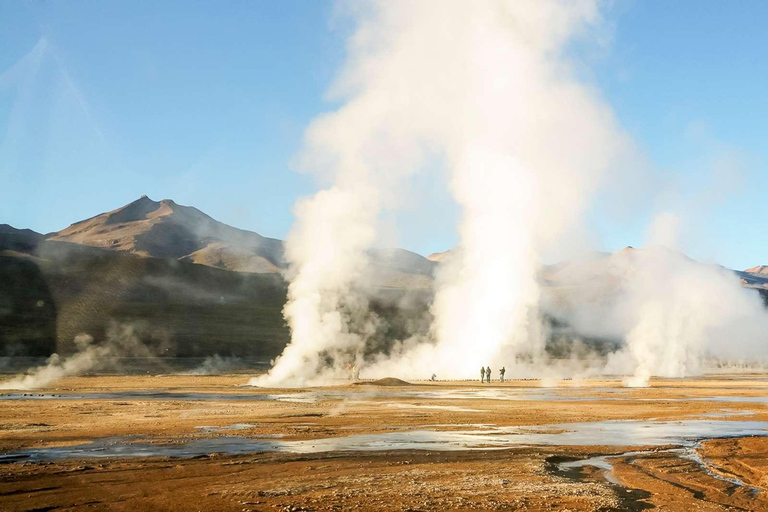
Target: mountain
[
  {"x": 174, "y": 278},
  {"x": 26, "y": 305},
  {"x": 400, "y": 269},
  {"x": 181, "y": 309},
  {"x": 14, "y": 240},
  {"x": 166, "y": 229},
  {"x": 188, "y": 285},
  {"x": 438, "y": 256},
  {"x": 755, "y": 277}
]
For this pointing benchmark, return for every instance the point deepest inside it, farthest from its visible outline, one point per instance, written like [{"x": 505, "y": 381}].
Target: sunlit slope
[{"x": 164, "y": 229}]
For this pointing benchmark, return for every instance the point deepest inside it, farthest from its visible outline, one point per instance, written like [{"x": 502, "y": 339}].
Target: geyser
[{"x": 487, "y": 91}]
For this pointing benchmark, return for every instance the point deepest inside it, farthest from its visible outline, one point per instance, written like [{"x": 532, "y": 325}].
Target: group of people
[{"x": 485, "y": 374}]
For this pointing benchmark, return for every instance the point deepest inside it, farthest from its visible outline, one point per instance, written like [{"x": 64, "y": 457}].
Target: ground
[{"x": 461, "y": 471}]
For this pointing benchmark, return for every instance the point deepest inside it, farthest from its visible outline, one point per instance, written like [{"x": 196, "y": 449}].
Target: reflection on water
[
  {"x": 601, "y": 462},
  {"x": 215, "y": 430},
  {"x": 604, "y": 463},
  {"x": 616, "y": 433},
  {"x": 319, "y": 395},
  {"x": 137, "y": 395}
]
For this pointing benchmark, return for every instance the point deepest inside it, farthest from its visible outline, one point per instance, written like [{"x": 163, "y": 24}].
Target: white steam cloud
[
  {"x": 123, "y": 340},
  {"x": 683, "y": 311},
  {"x": 490, "y": 92},
  {"x": 487, "y": 89},
  {"x": 56, "y": 368}
]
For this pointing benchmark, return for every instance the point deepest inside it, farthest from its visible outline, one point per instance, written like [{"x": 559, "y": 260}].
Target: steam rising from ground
[
  {"x": 683, "y": 311},
  {"x": 123, "y": 340},
  {"x": 218, "y": 365},
  {"x": 486, "y": 90}
]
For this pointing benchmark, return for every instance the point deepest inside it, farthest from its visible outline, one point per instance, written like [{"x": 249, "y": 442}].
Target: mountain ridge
[
  {"x": 198, "y": 287},
  {"x": 166, "y": 229}
]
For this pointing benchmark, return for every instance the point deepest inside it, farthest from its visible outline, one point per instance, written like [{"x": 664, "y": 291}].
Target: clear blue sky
[{"x": 206, "y": 103}]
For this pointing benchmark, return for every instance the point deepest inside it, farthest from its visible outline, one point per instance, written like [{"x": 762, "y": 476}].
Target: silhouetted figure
[
  {"x": 482, "y": 374},
  {"x": 433, "y": 378},
  {"x": 488, "y": 374},
  {"x": 501, "y": 373}
]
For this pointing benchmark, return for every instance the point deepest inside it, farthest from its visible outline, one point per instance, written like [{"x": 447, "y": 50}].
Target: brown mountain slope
[
  {"x": 760, "y": 270},
  {"x": 165, "y": 229},
  {"x": 438, "y": 256},
  {"x": 168, "y": 230}
]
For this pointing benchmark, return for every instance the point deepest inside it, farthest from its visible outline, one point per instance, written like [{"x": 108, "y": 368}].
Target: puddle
[
  {"x": 313, "y": 396},
  {"x": 517, "y": 394},
  {"x": 726, "y": 413},
  {"x": 214, "y": 430},
  {"x": 614, "y": 433},
  {"x": 137, "y": 395},
  {"x": 735, "y": 399},
  {"x": 603, "y": 462},
  {"x": 714, "y": 471}
]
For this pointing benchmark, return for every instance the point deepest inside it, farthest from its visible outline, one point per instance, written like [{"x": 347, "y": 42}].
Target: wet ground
[{"x": 595, "y": 445}]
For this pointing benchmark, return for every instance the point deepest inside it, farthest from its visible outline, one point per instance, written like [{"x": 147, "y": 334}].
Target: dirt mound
[{"x": 388, "y": 381}]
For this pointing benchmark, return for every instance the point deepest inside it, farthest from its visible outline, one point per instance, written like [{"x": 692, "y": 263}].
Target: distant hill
[
  {"x": 182, "y": 309},
  {"x": 18, "y": 240},
  {"x": 400, "y": 269},
  {"x": 165, "y": 229},
  {"x": 760, "y": 270},
  {"x": 438, "y": 256},
  {"x": 193, "y": 286},
  {"x": 129, "y": 270},
  {"x": 756, "y": 277}
]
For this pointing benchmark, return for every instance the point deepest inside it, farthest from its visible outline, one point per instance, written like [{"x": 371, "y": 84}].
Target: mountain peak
[
  {"x": 166, "y": 229},
  {"x": 132, "y": 212}
]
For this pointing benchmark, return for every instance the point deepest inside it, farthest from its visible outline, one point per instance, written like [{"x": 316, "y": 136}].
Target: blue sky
[{"x": 206, "y": 103}]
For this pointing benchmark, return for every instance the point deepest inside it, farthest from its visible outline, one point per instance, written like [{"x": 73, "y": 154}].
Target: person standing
[
  {"x": 482, "y": 375},
  {"x": 501, "y": 373},
  {"x": 488, "y": 374}
]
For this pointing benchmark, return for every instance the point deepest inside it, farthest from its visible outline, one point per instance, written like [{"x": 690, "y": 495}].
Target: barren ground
[{"x": 717, "y": 474}]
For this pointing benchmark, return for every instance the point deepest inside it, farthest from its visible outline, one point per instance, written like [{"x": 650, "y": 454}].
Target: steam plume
[
  {"x": 683, "y": 310},
  {"x": 123, "y": 340},
  {"x": 519, "y": 194},
  {"x": 487, "y": 90}
]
